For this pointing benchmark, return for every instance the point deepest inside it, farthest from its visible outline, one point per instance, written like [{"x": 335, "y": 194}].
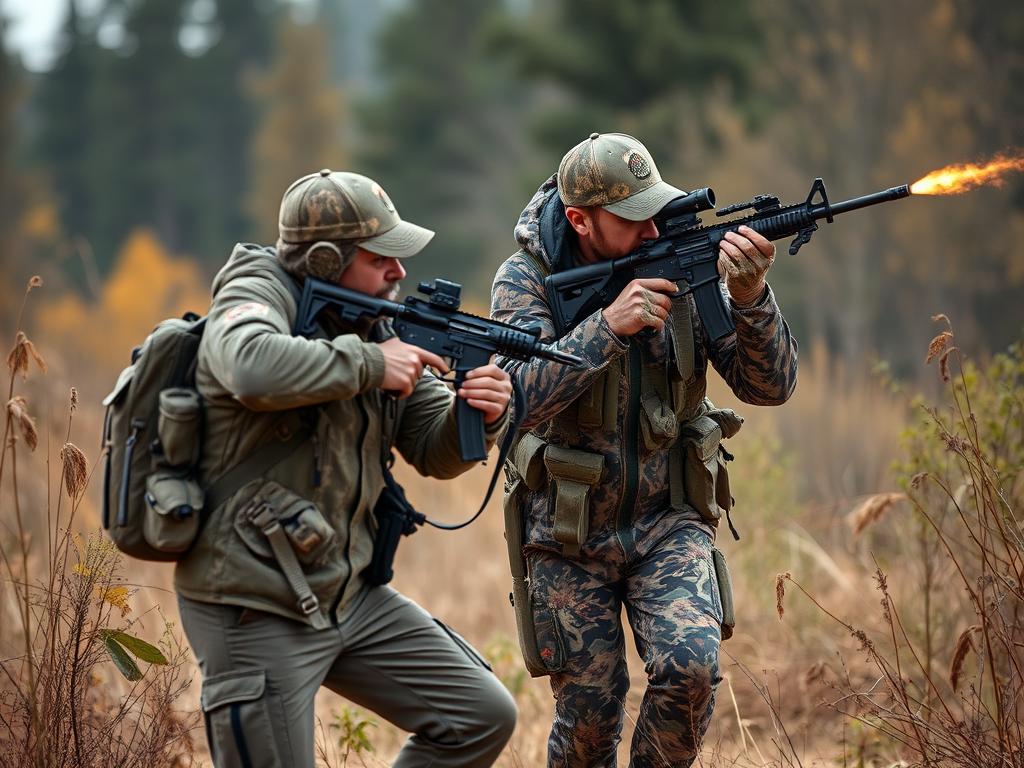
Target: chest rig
[{"x": 668, "y": 369}]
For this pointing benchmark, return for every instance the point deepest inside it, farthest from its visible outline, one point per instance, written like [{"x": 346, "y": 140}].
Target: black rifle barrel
[{"x": 885, "y": 196}]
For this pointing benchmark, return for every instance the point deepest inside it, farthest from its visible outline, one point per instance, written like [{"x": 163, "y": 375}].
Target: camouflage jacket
[
  {"x": 758, "y": 361},
  {"x": 259, "y": 383}
]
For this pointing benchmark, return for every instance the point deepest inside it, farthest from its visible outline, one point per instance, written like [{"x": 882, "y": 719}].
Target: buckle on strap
[
  {"x": 309, "y": 605},
  {"x": 261, "y": 515}
]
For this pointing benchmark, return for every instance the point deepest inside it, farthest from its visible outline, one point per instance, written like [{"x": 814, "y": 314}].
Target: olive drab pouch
[
  {"x": 147, "y": 517},
  {"x": 307, "y": 532},
  {"x": 705, "y": 474},
  {"x": 725, "y": 593},
  {"x": 573, "y": 473}
]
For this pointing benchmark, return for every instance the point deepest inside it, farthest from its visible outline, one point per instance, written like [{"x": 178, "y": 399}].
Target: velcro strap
[{"x": 573, "y": 472}]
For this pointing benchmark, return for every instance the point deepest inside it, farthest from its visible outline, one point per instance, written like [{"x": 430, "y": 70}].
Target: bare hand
[
  {"x": 488, "y": 389},
  {"x": 644, "y": 303},
  {"x": 403, "y": 366},
  {"x": 743, "y": 259}
]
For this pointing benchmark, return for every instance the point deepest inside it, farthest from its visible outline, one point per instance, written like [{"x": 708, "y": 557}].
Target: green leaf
[
  {"x": 124, "y": 662},
  {"x": 140, "y": 648}
]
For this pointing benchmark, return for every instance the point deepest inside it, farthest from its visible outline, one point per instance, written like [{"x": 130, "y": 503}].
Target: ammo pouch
[
  {"x": 395, "y": 517},
  {"x": 573, "y": 473},
  {"x": 705, "y": 475},
  {"x": 174, "y": 498}
]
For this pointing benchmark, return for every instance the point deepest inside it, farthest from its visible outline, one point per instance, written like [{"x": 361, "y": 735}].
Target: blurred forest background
[{"x": 161, "y": 132}]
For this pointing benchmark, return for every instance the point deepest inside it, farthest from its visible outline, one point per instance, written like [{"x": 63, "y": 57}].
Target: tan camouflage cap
[
  {"x": 615, "y": 171},
  {"x": 338, "y": 205}
]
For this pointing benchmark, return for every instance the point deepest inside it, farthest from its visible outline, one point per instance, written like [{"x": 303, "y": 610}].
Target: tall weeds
[
  {"x": 71, "y": 690},
  {"x": 944, "y": 680}
]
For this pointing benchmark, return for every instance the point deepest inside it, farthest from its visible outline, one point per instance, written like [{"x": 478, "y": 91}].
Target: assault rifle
[
  {"x": 437, "y": 326},
  {"x": 687, "y": 252}
]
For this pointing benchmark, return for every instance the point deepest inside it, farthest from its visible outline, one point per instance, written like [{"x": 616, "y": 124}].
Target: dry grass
[{"x": 799, "y": 691}]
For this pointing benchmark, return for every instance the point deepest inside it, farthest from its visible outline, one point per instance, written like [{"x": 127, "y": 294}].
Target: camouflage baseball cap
[
  {"x": 615, "y": 171},
  {"x": 338, "y": 205}
]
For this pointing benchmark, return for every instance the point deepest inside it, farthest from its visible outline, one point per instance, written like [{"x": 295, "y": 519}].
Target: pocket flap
[
  {"x": 573, "y": 464},
  {"x": 660, "y": 416},
  {"x": 173, "y": 492},
  {"x": 527, "y": 459},
  {"x": 705, "y": 435},
  {"x": 123, "y": 380},
  {"x": 231, "y": 687}
]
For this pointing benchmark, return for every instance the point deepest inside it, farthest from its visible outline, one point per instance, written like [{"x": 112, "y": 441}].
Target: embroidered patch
[
  {"x": 638, "y": 165},
  {"x": 249, "y": 309},
  {"x": 379, "y": 192}
]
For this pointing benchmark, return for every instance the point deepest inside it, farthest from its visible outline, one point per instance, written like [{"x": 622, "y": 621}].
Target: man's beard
[{"x": 389, "y": 291}]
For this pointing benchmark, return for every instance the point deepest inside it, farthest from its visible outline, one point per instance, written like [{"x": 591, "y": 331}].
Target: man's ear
[{"x": 579, "y": 219}]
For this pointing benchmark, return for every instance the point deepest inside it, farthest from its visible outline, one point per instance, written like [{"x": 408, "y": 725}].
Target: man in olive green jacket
[{"x": 272, "y": 595}]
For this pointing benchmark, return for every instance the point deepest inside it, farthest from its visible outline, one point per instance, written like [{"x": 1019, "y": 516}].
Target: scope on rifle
[{"x": 685, "y": 207}]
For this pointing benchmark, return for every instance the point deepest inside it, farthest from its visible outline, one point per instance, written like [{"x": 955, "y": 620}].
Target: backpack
[{"x": 152, "y": 433}]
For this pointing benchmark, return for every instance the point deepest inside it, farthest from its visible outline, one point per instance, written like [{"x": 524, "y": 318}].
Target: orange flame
[{"x": 955, "y": 179}]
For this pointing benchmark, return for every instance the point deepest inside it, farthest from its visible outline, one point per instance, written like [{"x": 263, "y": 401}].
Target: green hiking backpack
[{"x": 152, "y": 436}]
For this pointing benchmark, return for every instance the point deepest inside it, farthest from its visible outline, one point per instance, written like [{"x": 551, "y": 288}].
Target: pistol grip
[{"x": 471, "y": 430}]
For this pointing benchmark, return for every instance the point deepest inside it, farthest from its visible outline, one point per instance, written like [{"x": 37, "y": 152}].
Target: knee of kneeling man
[{"x": 498, "y": 712}]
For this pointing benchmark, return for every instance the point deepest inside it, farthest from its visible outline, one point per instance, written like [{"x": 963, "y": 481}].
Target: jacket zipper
[{"x": 630, "y": 459}]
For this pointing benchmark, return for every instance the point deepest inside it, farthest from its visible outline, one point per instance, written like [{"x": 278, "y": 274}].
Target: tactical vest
[{"x": 676, "y": 416}]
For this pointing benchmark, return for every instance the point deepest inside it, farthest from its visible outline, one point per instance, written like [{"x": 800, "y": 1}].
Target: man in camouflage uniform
[
  {"x": 618, "y": 478},
  {"x": 273, "y": 595}
]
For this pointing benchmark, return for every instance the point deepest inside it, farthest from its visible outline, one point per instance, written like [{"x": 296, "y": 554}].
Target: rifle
[
  {"x": 688, "y": 252},
  {"x": 437, "y": 326}
]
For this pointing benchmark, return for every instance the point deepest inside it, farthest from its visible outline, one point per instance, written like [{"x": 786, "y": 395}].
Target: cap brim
[
  {"x": 643, "y": 205},
  {"x": 402, "y": 240}
]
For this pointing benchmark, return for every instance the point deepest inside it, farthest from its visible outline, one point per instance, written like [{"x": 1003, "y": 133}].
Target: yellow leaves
[
  {"x": 117, "y": 597},
  {"x": 40, "y": 222},
  {"x": 147, "y": 285}
]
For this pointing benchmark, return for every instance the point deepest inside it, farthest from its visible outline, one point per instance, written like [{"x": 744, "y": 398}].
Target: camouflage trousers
[{"x": 674, "y": 609}]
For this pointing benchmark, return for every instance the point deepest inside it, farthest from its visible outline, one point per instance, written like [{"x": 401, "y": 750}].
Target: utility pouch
[
  {"x": 174, "y": 503},
  {"x": 573, "y": 473},
  {"x": 658, "y": 424},
  {"x": 178, "y": 426},
  {"x": 528, "y": 460},
  {"x": 540, "y": 636},
  {"x": 725, "y": 593},
  {"x": 309, "y": 535},
  {"x": 702, "y": 438},
  {"x": 395, "y": 517}
]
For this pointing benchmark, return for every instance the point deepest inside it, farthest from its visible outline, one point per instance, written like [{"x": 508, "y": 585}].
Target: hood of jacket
[{"x": 543, "y": 231}]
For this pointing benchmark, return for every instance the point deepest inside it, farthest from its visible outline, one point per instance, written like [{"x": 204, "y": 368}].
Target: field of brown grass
[{"x": 897, "y": 641}]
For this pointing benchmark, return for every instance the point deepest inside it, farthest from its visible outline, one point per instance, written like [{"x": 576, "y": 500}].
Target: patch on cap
[
  {"x": 638, "y": 164},
  {"x": 379, "y": 192}
]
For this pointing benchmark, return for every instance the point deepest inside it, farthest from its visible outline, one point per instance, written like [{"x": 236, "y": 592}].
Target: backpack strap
[{"x": 253, "y": 466}]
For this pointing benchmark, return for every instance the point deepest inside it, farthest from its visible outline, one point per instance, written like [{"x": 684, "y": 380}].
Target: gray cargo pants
[{"x": 261, "y": 673}]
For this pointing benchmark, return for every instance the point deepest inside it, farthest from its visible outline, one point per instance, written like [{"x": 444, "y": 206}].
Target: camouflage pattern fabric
[
  {"x": 674, "y": 610},
  {"x": 636, "y": 552}
]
